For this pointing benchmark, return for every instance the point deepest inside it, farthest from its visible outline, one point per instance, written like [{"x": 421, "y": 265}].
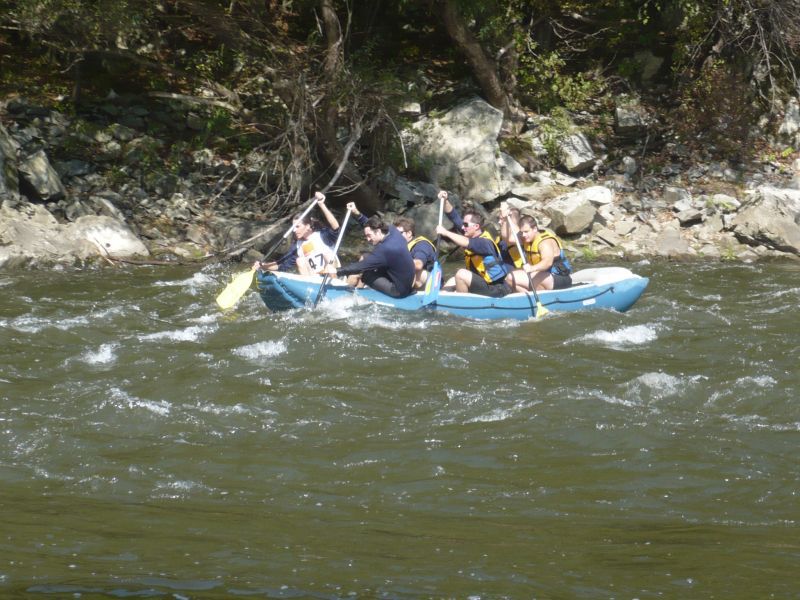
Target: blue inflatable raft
[{"x": 607, "y": 287}]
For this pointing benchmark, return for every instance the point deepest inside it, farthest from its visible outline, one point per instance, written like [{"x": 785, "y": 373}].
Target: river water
[{"x": 154, "y": 447}]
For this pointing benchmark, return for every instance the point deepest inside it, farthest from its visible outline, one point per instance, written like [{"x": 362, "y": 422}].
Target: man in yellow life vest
[
  {"x": 485, "y": 271},
  {"x": 509, "y": 247},
  {"x": 545, "y": 260},
  {"x": 422, "y": 250}
]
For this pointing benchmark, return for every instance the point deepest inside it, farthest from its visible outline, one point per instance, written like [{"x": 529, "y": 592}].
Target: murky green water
[{"x": 152, "y": 447}]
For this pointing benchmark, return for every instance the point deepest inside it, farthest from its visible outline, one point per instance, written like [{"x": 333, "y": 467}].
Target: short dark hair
[
  {"x": 375, "y": 222},
  {"x": 529, "y": 221},
  {"x": 476, "y": 217},
  {"x": 309, "y": 220},
  {"x": 407, "y": 223}
]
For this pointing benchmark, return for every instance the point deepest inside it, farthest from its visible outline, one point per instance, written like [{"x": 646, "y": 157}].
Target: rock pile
[{"x": 75, "y": 189}]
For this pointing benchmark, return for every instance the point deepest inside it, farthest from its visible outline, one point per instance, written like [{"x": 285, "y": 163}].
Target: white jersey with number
[{"x": 315, "y": 251}]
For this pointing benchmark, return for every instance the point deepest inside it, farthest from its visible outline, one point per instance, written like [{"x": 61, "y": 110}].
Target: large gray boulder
[
  {"x": 426, "y": 218},
  {"x": 404, "y": 193},
  {"x": 576, "y": 153},
  {"x": 575, "y": 212},
  {"x": 670, "y": 243},
  {"x": 790, "y": 127},
  {"x": 29, "y": 234},
  {"x": 629, "y": 120},
  {"x": 40, "y": 175},
  {"x": 110, "y": 237},
  {"x": 770, "y": 216},
  {"x": 459, "y": 151}
]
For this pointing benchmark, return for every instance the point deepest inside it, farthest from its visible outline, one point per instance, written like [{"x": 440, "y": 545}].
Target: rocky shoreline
[{"x": 75, "y": 191}]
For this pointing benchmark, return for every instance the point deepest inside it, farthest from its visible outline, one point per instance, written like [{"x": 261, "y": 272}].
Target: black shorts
[
  {"x": 479, "y": 286},
  {"x": 378, "y": 280},
  {"x": 561, "y": 282}
]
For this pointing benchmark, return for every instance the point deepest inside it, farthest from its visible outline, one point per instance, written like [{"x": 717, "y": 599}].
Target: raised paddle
[
  {"x": 324, "y": 285},
  {"x": 242, "y": 282},
  {"x": 540, "y": 309},
  {"x": 434, "y": 283}
]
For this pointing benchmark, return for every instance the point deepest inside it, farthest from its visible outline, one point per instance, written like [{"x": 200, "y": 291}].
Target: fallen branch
[
  {"x": 195, "y": 100},
  {"x": 354, "y": 137}
]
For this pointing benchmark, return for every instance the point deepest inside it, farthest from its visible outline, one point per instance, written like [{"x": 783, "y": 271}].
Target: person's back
[{"x": 389, "y": 268}]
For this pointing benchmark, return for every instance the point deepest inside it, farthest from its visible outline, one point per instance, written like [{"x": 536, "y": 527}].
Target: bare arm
[
  {"x": 329, "y": 217},
  {"x": 456, "y": 238},
  {"x": 505, "y": 233},
  {"x": 549, "y": 251}
]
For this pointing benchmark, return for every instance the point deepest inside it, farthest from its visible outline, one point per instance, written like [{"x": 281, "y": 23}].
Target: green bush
[{"x": 544, "y": 81}]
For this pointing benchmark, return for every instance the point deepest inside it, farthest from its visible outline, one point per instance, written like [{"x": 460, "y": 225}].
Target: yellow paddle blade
[
  {"x": 541, "y": 310},
  {"x": 236, "y": 289}
]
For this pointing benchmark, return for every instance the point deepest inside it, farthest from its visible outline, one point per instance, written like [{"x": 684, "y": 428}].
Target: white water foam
[
  {"x": 189, "y": 334},
  {"x": 261, "y": 350},
  {"x": 498, "y": 414},
  {"x": 112, "y": 311},
  {"x": 175, "y": 490},
  {"x": 369, "y": 314},
  {"x": 789, "y": 292},
  {"x": 763, "y": 381},
  {"x": 635, "y": 335},
  {"x": 393, "y": 321},
  {"x": 660, "y": 381},
  {"x": 224, "y": 411},
  {"x": 207, "y": 318},
  {"x": 608, "y": 399},
  {"x": 104, "y": 355},
  {"x": 656, "y": 385},
  {"x": 28, "y": 324},
  {"x": 197, "y": 283},
  {"x": 756, "y": 422},
  {"x": 161, "y": 408}
]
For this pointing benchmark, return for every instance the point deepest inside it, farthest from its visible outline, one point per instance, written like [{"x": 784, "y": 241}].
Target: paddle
[
  {"x": 324, "y": 285},
  {"x": 434, "y": 284},
  {"x": 540, "y": 310},
  {"x": 242, "y": 282},
  {"x": 236, "y": 289}
]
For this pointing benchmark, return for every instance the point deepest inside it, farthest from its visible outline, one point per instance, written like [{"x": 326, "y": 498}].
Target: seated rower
[
  {"x": 421, "y": 248},
  {"x": 313, "y": 246},
  {"x": 389, "y": 268},
  {"x": 485, "y": 271},
  {"x": 546, "y": 262},
  {"x": 508, "y": 246}
]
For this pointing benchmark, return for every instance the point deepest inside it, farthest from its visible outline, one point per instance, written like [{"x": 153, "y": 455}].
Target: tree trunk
[
  {"x": 328, "y": 145},
  {"x": 484, "y": 68}
]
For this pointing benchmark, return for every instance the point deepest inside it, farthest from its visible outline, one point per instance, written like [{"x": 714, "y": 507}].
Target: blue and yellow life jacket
[
  {"x": 417, "y": 240},
  {"x": 560, "y": 265},
  {"x": 491, "y": 267},
  {"x": 514, "y": 256}
]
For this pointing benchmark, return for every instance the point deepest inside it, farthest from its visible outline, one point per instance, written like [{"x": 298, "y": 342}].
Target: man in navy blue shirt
[{"x": 389, "y": 268}]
